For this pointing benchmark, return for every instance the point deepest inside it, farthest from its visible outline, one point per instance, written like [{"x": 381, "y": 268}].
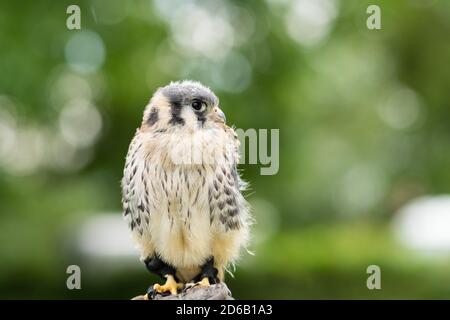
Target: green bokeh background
[{"x": 363, "y": 118}]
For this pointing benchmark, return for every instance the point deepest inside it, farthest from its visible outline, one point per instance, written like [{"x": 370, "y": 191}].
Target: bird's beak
[{"x": 220, "y": 113}]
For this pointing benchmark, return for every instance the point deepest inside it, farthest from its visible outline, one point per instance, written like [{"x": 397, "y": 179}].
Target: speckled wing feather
[
  {"x": 227, "y": 205},
  {"x": 134, "y": 211}
]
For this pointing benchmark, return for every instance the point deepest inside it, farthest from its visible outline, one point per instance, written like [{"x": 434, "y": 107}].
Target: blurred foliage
[{"x": 363, "y": 118}]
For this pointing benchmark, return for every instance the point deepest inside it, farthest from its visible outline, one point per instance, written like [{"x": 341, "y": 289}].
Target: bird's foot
[
  {"x": 203, "y": 283},
  {"x": 199, "y": 284},
  {"x": 207, "y": 276},
  {"x": 171, "y": 286}
]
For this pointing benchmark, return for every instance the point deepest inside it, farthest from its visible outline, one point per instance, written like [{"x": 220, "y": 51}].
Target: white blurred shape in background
[
  {"x": 66, "y": 86},
  {"x": 80, "y": 123},
  {"x": 106, "y": 236},
  {"x": 360, "y": 189},
  {"x": 233, "y": 74},
  {"x": 7, "y": 127},
  {"x": 424, "y": 225},
  {"x": 203, "y": 41},
  {"x": 401, "y": 109},
  {"x": 203, "y": 31},
  {"x": 309, "y": 21},
  {"x": 267, "y": 220},
  {"x": 85, "y": 52},
  {"x": 26, "y": 147}
]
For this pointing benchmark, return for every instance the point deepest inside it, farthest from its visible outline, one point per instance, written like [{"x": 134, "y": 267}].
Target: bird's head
[{"x": 186, "y": 104}]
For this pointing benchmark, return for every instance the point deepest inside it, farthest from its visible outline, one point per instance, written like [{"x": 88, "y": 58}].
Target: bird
[{"x": 182, "y": 194}]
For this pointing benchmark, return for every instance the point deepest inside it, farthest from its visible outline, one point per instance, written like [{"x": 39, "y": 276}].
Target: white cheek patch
[
  {"x": 190, "y": 118},
  {"x": 164, "y": 116}
]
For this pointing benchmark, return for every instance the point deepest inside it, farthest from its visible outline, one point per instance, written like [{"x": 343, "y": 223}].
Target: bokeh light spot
[
  {"x": 401, "y": 110},
  {"x": 309, "y": 21},
  {"x": 80, "y": 123},
  {"x": 85, "y": 52}
]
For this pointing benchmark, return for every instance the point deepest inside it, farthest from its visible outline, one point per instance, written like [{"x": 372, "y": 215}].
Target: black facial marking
[
  {"x": 200, "y": 117},
  {"x": 175, "y": 109},
  {"x": 153, "y": 117}
]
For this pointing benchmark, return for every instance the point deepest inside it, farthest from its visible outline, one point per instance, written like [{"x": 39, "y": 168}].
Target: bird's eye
[{"x": 198, "y": 105}]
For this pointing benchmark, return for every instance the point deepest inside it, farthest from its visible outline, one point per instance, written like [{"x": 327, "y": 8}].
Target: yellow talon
[
  {"x": 204, "y": 282},
  {"x": 170, "y": 286}
]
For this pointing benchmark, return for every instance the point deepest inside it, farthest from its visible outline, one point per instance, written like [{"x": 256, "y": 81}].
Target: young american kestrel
[{"x": 181, "y": 189}]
